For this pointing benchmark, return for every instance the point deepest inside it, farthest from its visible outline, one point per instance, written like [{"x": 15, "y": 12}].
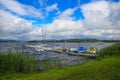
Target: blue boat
[{"x": 81, "y": 49}]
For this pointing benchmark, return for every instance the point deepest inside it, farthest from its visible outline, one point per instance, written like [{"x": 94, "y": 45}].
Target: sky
[{"x": 59, "y": 19}]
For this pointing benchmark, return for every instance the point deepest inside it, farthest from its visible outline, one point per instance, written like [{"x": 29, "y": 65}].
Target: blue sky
[
  {"x": 61, "y": 5},
  {"x": 60, "y": 19}
]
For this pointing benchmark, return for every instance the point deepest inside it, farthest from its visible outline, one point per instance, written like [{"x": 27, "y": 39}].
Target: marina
[
  {"x": 52, "y": 50},
  {"x": 80, "y": 51}
]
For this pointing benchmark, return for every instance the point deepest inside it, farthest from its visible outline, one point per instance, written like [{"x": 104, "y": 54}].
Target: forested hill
[{"x": 74, "y": 40}]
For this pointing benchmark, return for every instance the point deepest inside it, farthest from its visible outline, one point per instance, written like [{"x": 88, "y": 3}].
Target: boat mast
[
  {"x": 43, "y": 36},
  {"x": 23, "y": 41}
]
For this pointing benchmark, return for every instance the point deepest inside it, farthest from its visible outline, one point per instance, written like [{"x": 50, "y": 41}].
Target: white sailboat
[{"x": 39, "y": 47}]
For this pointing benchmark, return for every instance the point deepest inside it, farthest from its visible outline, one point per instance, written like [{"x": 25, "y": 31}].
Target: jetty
[
  {"x": 73, "y": 53},
  {"x": 59, "y": 49}
]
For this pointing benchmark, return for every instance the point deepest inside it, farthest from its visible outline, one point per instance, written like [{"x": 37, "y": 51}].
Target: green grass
[
  {"x": 110, "y": 50},
  {"x": 15, "y": 62},
  {"x": 107, "y": 67}
]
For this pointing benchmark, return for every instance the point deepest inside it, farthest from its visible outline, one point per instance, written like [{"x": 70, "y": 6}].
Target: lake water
[{"x": 64, "y": 59}]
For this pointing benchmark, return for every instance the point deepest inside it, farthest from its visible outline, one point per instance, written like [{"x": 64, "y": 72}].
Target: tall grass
[
  {"x": 104, "y": 69},
  {"x": 110, "y": 50},
  {"x": 16, "y": 62}
]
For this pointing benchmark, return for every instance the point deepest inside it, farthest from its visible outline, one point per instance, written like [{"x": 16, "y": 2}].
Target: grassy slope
[{"x": 105, "y": 69}]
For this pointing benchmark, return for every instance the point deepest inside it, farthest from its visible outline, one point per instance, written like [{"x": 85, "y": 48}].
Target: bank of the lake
[{"x": 106, "y": 67}]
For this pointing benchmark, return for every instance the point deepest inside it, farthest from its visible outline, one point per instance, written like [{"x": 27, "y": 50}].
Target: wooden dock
[
  {"x": 75, "y": 54},
  {"x": 83, "y": 54},
  {"x": 62, "y": 50}
]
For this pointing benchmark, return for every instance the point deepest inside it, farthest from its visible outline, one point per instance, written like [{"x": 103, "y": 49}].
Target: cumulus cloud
[
  {"x": 20, "y": 9},
  {"x": 114, "y": 16},
  {"x": 101, "y": 21},
  {"x": 13, "y": 27},
  {"x": 67, "y": 14},
  {"x": 96, "y": 14},
  {"x": 64, "y": 29},
  {"x": 100, "y": 17},
  {"x": 64, "y": 26},
  {"x": 37, "y": 33}
]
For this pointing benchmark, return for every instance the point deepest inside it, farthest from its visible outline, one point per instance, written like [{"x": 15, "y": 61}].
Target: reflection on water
[{"x": 63, "y": 58}]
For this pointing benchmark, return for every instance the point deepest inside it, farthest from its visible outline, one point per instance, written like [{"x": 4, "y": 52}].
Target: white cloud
[
  {"x": 97, "y": 23},
  {"x": 43, "y": 3},
  {"x": 114, "y": 16},
  {"x": 100, "y": 17},
  {"x": 51, "y": 8},
  {"x": 67, "y": 14},
  {"x": 36, "y": 33},
  {"x": 21, "y": 9},
  {"x": 13, "y": 26},
  {"x": 95, "y": 14},
  {"x": 64, "y": 26},
  {"x": 102, "y": 21}
]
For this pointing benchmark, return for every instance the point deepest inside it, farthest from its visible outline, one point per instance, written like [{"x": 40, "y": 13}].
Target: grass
[
  {"x": 110, "y": 50},
  {"x": 16, "y": 62},
  {"x": 107, "y": 67}
]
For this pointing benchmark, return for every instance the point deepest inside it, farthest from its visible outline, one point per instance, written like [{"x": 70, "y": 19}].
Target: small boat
[
  {"x": 39, "y": 48},
  {"x": 92, "y": 50},
  {"x": 43, "y": 47},
  {"x": 81, "y": 49}
]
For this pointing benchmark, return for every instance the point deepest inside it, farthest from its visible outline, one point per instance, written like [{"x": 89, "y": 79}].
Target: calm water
[{"x": 63, "y": 58}]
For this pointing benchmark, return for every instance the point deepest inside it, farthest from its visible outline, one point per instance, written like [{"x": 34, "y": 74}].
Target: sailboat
[{"x": 39, "y": 47}]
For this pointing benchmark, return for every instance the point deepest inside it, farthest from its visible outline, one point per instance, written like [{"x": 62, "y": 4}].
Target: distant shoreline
[{"x": 62, "y": 40}]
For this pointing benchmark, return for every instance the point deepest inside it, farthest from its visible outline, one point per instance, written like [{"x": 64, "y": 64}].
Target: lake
[{"x": 62, "y": 58}]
